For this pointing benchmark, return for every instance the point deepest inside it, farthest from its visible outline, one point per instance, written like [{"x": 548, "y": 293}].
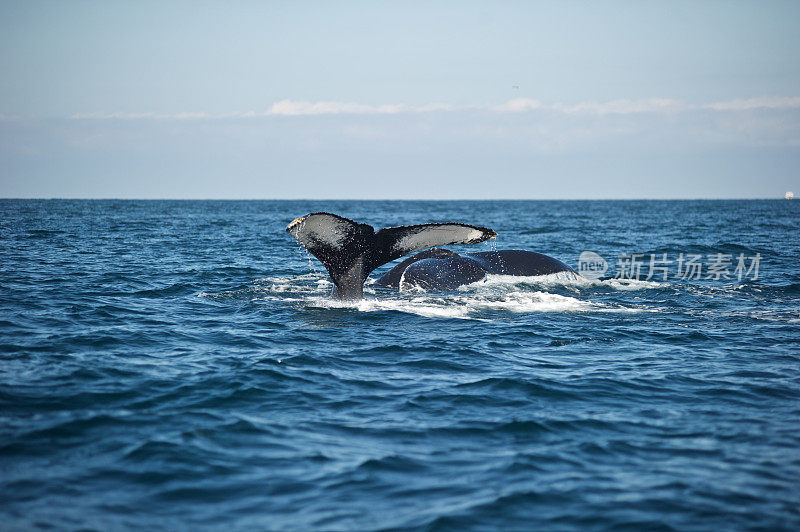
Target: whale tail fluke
[
  {"x": 350, "y": 250},
  {"x": 341, "y": 245}
]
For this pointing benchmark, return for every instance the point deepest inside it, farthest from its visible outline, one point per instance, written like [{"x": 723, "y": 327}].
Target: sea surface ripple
[{"x": 182, "y": 365}]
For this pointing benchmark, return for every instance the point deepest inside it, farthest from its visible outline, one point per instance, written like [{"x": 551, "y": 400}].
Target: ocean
[{"x": 182, "y": 365}]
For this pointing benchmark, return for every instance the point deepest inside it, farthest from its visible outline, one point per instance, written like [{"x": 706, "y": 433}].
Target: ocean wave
[{"x": 196, "y": 367}]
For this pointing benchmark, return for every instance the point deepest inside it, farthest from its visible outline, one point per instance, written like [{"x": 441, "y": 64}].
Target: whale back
[
  {"x": 441, "y": 274},
  {"x": 391, "y": 279},
  {"x": 519, "y": 262},
  {"x": 441, "y": 269}
]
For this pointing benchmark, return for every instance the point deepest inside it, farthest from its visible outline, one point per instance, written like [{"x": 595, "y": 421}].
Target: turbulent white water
[{"x": 486, "y": 299}]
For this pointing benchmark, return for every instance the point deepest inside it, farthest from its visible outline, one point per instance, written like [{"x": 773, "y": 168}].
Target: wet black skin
[{"x": 442, "y": 269}]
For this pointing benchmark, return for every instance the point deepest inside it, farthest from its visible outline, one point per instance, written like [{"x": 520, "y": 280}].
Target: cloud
[
  {"x": 290, "y": 108},
  {"x": 523, "y": 145},
  {"x": 625, "y": 107},
  {"x": 764, "y": 102},
  {"x": 141, "y": 116},
  {"x": 518, "y": 105}
]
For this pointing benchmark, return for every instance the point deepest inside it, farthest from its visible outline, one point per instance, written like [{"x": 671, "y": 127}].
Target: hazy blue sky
[{"x": 372, "y": 100}]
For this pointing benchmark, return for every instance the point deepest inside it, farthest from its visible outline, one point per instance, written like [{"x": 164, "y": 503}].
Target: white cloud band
[{"x": 518, "y": 105}]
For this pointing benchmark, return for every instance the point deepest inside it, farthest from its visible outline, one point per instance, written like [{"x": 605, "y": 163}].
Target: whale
[
  {"x": 441, "y": 269},
  {"x": 350, "y": 251}
]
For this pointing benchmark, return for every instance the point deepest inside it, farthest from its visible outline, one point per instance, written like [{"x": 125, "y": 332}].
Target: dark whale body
[
  {"x": 350, "y": 251},
  {"x": 442, "y": 269}
]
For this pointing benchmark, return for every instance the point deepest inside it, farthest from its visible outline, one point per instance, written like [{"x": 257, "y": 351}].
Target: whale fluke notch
[{"x": 350, "y": 250}]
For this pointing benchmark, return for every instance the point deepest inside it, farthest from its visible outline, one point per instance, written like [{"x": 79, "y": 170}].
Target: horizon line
[{"x": 111, "y": 198}]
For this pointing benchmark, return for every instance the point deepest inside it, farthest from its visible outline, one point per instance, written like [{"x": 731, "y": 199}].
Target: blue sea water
[{"x": 182, "y": 365}]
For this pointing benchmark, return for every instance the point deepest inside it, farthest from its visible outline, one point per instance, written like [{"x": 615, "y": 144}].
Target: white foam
[
  {"x": 265, "y": 287},
  {"x": 632, "y": 284},
  {"x": 470, "y": 306},
  {"x": 419, "y": 306},
  {"x": 478, "y": 301},
  {"x": 569, "y": 279},
  {"x": 552, "y": 279}
]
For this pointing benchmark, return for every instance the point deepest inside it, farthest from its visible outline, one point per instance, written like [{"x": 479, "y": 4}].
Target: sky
[{"x": 402, "y": 100}]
